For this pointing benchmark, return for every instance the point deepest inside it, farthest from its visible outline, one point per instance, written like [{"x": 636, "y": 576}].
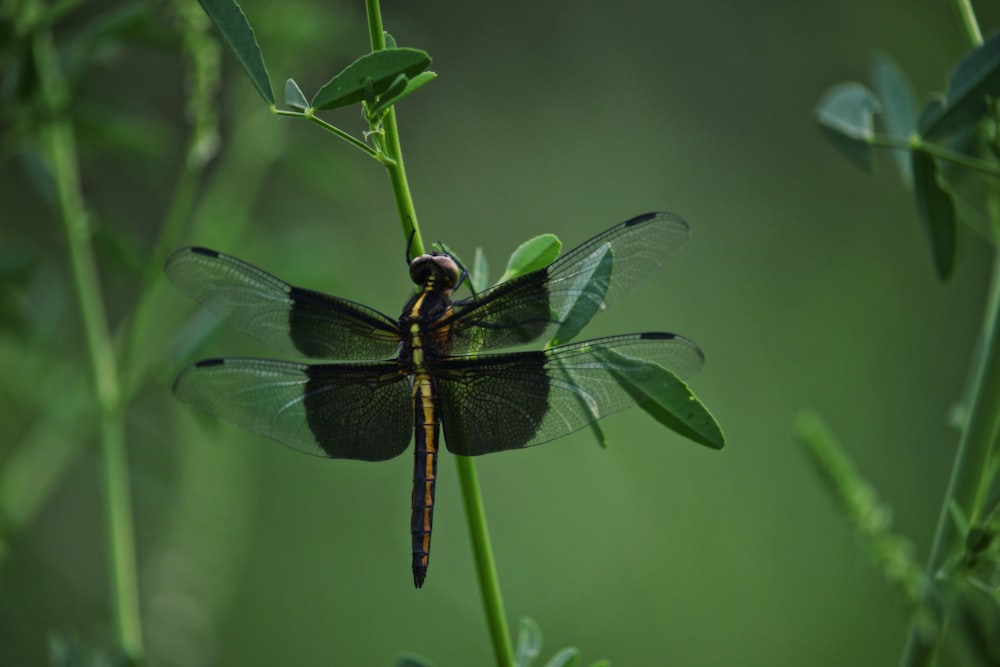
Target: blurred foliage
[{"x": 805, "y": 285}]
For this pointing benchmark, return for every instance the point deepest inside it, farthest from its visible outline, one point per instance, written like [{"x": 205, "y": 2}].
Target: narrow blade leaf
[
  {"x": 417, "y": 82},
  {"x": 480, "y": 271},
  {"x": 937, "y": 213},
  {"x": 381, "y": 68},
  {"x": 232, "y": 23},
  {"x": 899, "y": 109},
  {"x": 667, "y": 399},
  {"x": 846, "y": 117}
]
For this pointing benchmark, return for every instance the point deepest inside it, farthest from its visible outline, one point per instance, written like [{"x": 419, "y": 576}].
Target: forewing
[
  {"x": 495, "y": 402},
  {"x": 343, "y": 411},
  {"x": 290, "y": 319},
  {"x": 561, "y": 298}
]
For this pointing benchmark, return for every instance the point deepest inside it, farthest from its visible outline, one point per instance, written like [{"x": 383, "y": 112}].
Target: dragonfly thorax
[{"x": 436, "y": 271}]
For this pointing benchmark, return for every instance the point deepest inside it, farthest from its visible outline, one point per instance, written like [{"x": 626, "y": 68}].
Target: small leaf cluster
[
  {"x": 378, "y": 80},
  {"x": 936, "y": 148}
]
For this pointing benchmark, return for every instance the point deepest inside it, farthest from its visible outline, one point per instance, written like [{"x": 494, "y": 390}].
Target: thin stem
[
  {"x": 393, "y": 149},
  {"x": 966, "y": 485},
  {"x": 938, "y": 151},
  {"x": 308, "y": 115},
  {"x": 60, "y": 150},
  {"x": 486, "y": 571},
  {"x": 969, "y": 476},
  {"x": 967, "y": 16}
]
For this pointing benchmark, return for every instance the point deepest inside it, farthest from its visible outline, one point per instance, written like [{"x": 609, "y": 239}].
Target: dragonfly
[{"x": 386, "y": 381}]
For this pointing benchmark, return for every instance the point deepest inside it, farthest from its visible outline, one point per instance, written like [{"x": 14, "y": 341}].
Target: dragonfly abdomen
[{"x": 426, "y": 422}]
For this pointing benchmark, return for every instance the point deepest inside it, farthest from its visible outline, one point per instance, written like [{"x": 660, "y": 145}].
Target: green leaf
[
  {"x": 666, "y": 398},
  {"x": 390, "y": 41},
  {"x": 533, "y": 254},
  {"x": 380, "y": 68},
  {"x": 899, "y": 109},
  {"x": 846, "y": 117},
  {"x": 568, "y": 657},
  {"x": 417, "y": 82},
  {"x": 480, "y": 271},
  {"x": 529, "y": 642},
  {"x": 971, "y": 82},
  {"x": 592, "y": 285},
  {"x": 294, "y": 97},
  {"x": 232, "y": 23},
  {"x": 937, "y": 213}
]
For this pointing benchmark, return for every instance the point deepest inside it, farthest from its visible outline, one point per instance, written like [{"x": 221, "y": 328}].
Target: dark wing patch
[
  {"x": 343, "y": 411},
  {"x": 492, "y": 403},
  {"x": 289, "y": 319}
]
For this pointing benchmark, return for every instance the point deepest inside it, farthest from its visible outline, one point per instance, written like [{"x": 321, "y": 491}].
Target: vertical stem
[
  {"x": 968, "y": 18},
  {"x": 966, "y": 486},
  {"x": 486, "y": 571},
  {"x": 60, "y": 151},
  {"x": 393, "y": 160},
  {"x": 489, "y": 584}
]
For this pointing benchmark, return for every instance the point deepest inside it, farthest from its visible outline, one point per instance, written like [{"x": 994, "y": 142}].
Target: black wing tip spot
[
  {"x": 658, "y": 215},
  {"x": 645, "y": 217},
  {"x": 209, "y": 363},
  {"x": 658, "y": 335},
  {"x": 200, "y": 250}
]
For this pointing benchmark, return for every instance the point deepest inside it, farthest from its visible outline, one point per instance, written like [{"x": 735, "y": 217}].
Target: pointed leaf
[
  {"x": 533, "y": 254},
  {"x": 937, "y": 213},
  {"x": 568, "y": 657},
  {"x": 666, "y": 398},
  {"x": 380, "y": 67},
  {"x": 846, "y": 117},
  {"x": 294, "y": 97},
  {"x": 417, "y": 82},
  {"x": 390, "y": 41},
  {"x": 971, "y": 82},
  {"x": 899, "y": 109},
  {"x": 480, "y": 271},
  {"x": 232, "y": 23},
  {"x": 592, "y": 285},
  {"x": 529, "y": 642}
]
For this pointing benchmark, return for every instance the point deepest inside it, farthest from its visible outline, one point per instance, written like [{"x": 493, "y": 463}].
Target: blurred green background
[{"x": 806, "y": 282}]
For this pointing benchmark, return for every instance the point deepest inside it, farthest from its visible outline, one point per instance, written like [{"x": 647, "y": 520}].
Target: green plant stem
[
  {"x": 969, "y": 23},
  {"x": 486, "y": 571},
  {"x": 935, "y": 150},
  {"x": 968, "y": 484},
  {"x": 60, "y": 151},
  {"x": 969, "y": 479},
  {"x": 308, "y": 115},
  {"x": 489, "y": 584},
  {"x": 393, "y": 150}
]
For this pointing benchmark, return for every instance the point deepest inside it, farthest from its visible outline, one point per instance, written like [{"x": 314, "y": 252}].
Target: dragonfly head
[{"x": 436, "y": 269}]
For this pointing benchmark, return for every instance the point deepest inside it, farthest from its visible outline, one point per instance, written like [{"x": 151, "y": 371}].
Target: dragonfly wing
[
  {"x": 495, "y": 402},
  {"x": 290, "y": 319},
  {"x": 559, "y": 299},
  {"x": 343, "y": 411}
]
